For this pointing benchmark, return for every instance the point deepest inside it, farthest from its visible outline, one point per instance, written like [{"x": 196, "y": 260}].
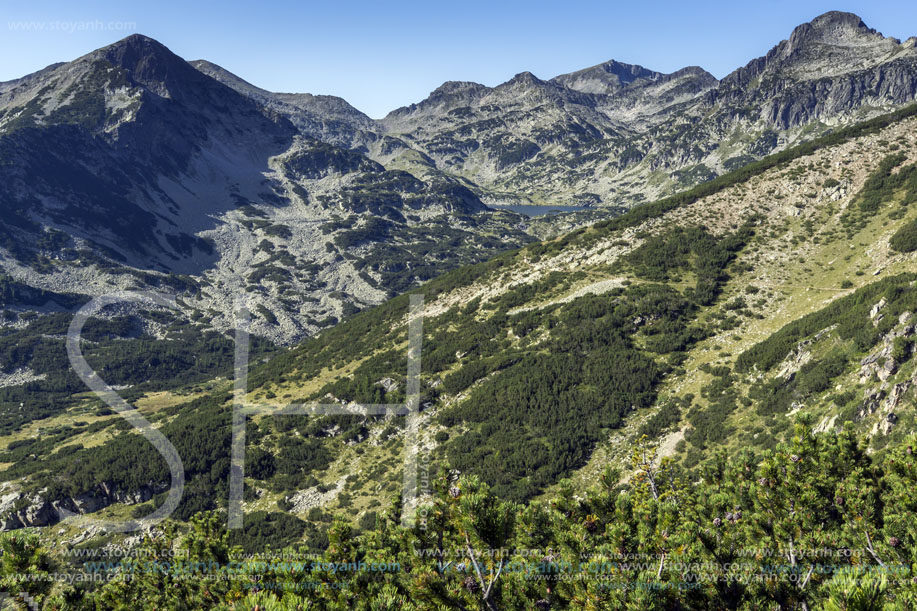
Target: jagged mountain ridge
[
  {"x": 638, "y": 138},
  {"x": 130, "y": 164},
  {"x": 616, "y": 134},
  {"x": 327, "y": 118}
]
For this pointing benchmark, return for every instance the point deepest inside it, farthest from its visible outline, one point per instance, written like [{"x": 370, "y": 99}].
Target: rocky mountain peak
[
  {"x": 454, "y": 87},
  {"x": 525, "y": 77},
  {"x": 840, "y": 19},
  {"x": 526, "y": 82},
  {"x": 607, "y": 78},
  {"x": 456, "y": 91},
  {"x": 695, "y": 71},
  {"x": 627, "y": 72},
  {"x": 831, "y": 45},
  {"x": 449, "y": 95},
  {"x": 834, "y": 27},
  {"x": 139, "y": 54},
  {"x": 150, "y": 63}
]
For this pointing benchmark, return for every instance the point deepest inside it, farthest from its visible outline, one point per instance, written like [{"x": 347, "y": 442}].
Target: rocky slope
[
  {"x": 706, "y": 321},
  {"x": 619, "y": 134},
  {"x": 129, "y": 166},
  {"x": 324, "y": 117}
]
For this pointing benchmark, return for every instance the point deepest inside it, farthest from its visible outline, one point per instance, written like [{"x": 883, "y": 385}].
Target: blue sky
[{"x": 382, "y": 55}]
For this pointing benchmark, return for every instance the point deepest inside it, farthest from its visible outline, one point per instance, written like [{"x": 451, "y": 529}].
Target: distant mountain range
[
  {"x": 130, "y": 167},
  {"x": 618, "y": 134},
  {"x": 127, "y": 167},
  {"x": 781, "y": 284}
]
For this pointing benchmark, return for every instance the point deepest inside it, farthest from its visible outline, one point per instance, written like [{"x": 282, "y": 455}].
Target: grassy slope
[{"x": 799, "y": 261}]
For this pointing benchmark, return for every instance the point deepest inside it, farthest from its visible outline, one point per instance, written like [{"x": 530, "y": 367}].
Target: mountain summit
[
  {"x": 134, "y": 159},
  {"x": 132, "y": 166},
  {"x": 150, "y": 63},
  {"x": 617, "y": 133},
  {"x": 607, "y": 78},
  {"x": 833, "y": 27}
]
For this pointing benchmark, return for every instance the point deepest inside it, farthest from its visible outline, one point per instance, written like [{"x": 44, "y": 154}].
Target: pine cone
[
  {"x": 471, "y": 584},
  {"x": 717, "y": 522},
  {"x": 894, "y": 541},
  {"x": 542, "y": 605}
]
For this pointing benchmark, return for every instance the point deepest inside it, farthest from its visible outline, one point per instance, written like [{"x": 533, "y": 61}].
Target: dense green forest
[{"x": 816, "y": 523}]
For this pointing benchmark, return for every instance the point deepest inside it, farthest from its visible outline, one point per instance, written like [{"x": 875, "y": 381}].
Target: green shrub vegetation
[
  {"x": 905, "y": 239},
  {"x": 848, "y": 313},
  {"x": 815, "y": 523},
  {"x": 542, "y": 412},
  {"x": 118, "y": 350}
]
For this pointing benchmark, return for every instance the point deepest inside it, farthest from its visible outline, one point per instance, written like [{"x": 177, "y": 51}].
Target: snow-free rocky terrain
[
  {"x": 130, "y": 163},
  {"x": 130, "y": 168},
  {"x": 706, "y": 322}
]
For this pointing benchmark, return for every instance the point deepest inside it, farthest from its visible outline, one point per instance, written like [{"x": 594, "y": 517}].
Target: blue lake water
[{"x": 532, "y": 211}]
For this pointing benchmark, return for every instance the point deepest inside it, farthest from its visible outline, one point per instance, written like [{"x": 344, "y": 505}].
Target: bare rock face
[
  {"x": 888, "y": 369},
  {"x": 132, "y": 167},
  {"x": 21, "y": 511},
  {"x": 828, "y": 66},
  {"x": 881, "y": 363},
  {"x": 577, "y": 134},
  {"x": 874, "y": 313}
]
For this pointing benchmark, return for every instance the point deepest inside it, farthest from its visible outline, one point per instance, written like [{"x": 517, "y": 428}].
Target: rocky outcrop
[
  {"x": 881, "y": 364},
  {"x": 19, "y": 510}
]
